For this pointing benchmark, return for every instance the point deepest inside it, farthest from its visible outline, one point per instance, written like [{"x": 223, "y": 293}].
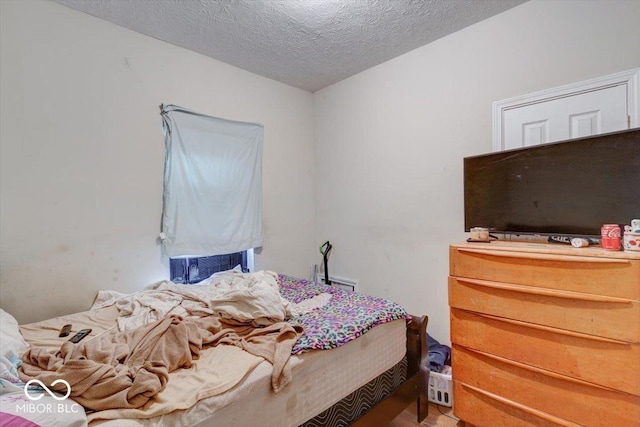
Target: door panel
[
  {"x": 604, "y": 104},
  {"x": 585, "y": 114}
]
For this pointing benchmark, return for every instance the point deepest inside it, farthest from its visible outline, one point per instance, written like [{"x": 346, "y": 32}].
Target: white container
[
  {"x": 579, "y": 243},
  {"x": 479, "y": 234},
  {"x": 631, "y": 241},
  {"x": 441, "y": 387}
]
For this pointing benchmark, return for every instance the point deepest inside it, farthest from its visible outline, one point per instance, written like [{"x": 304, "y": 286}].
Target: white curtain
[{"x": 212, "y": 201}]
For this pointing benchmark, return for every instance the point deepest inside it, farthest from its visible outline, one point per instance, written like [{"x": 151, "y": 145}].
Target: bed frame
[
  {"x": 418, "y": 354},
  {"x": 358, "y": 403}
]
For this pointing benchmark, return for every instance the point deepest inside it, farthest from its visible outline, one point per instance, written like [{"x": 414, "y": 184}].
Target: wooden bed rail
[{"x": 418, "y": 361}]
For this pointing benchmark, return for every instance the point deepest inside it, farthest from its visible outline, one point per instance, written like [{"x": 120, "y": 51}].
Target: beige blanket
[
  {"x": 246, "y": 297},
  {"x": 126, "y": 370}
]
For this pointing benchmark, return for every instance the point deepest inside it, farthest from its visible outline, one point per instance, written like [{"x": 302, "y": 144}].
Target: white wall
[
  {"x": 81, "y": 151},
  {"x": 81, "y": 147},
  {"x": 390, "y": 140}
]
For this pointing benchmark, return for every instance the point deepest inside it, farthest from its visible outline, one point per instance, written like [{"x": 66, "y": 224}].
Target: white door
[
  {"x": 575, "y": 116},
  {"x": 601, "y": 105}
]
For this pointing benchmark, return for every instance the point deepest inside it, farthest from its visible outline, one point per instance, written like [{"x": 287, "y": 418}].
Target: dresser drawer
[
  {"x": 593, "y": 359},
  {"x": 480, "y": 408},
  {"x": 608, "y": 317},
  {"x": 616, "y": 276},
  {"x": 557, "y": 395}
]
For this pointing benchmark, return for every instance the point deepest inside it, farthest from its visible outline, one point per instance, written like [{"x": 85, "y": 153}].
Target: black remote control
[
  {"x": 77, "y": 337},
  {"x": 66, "y": 330}
]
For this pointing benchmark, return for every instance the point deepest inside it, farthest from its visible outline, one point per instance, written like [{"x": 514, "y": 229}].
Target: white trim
[
  {"x": 341, "y": 282},
  {"x": 250, "y": 260},
  {"x": 630, "y": 78}
]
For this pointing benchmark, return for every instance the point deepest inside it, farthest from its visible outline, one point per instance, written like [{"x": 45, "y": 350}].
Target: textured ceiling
[{"x": 309, "y": 44}]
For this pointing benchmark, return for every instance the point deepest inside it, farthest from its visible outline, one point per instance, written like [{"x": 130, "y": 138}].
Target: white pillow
[{"x": 11, "y": 340}]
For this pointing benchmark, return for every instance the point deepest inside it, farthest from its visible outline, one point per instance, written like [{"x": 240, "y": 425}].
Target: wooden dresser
[{"x": 545, "y": 335}]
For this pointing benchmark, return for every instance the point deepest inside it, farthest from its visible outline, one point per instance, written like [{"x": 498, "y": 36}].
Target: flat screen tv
[{"x": 568, "y": 188}]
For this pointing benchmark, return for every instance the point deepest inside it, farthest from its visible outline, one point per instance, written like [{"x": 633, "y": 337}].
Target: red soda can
[{"x": 610, "y": 237}]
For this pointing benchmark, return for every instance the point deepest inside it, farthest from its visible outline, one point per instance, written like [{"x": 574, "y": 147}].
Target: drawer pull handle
[
  {"x": 545, "y": 257},
  {"x": 553, "y": 330},
  {"x": 523, "y": 408},
  {"x": 545, "y": 292},
  {"x": 540, "y": 371}
]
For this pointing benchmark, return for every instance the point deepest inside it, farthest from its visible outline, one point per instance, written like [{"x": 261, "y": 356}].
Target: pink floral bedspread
[{"x": 347, "y": 316}]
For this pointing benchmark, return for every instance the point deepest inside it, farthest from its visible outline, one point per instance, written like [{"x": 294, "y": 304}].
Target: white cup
[
  {"x": 631, "y": 242},
  {"x": 635, "y": 226}
]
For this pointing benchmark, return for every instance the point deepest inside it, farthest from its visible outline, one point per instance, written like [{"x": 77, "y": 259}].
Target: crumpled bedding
[
  {"x": 245, "y": 297},
  {"x": 126, "y": 370},
  {"x": 120, "y": 371}
]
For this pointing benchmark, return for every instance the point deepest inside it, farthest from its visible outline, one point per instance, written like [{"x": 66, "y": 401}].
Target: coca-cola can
[{"x": 610, "y": 237}]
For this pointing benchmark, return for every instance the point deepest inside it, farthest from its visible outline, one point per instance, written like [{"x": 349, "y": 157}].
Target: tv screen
[{"x": 568, "y": 188}]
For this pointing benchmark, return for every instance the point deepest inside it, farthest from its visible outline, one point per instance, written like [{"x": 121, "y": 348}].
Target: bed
[{"x": 348, "y": 354}]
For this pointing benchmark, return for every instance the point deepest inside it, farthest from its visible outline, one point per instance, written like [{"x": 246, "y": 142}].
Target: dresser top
[{"x": 549, "y": 248}]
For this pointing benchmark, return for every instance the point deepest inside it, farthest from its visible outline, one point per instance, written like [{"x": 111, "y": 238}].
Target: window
[
  {"x": 212, "y": 200},
  {"x": 190, "y": 270}
]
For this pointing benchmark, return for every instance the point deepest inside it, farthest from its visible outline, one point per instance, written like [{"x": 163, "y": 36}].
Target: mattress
[{"x": 321, "y": 378}]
